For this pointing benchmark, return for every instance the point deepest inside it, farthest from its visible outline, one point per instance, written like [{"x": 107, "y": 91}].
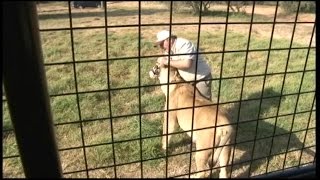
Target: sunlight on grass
[
  {"x": 125, "y": 102},
  {"x": 102, "y": 173},
  {"x": 10, "y": 147},
  {"x": 126, "y": 69},
  {"x": 100, "y": 102},
  {"x": 56, "y": 46},
  {"x": 6, "y": 119},
  {"x": 13, "y": 167},
  {"x": 92, "y": 136},
  {"x": 62, "y": 78},
  {"x": 92, "y": 76},
  {"x": 126, "y": 128},
  {"x": 99, "y": 156},
  {"x": 151, "y": 148},
  {"x": 69, "y": 106},
  {"x": 127, "y": 152},
  {"x": 89, "y": 48},
  {"x": 68, "y": 135},
  {"x": 128, "y": 46},
  {"x": 129, "y": 171},
  {"x": 149, "y": 167},
  {"x": 233, "y": 64},
  {"x": 72, "y": 160}
]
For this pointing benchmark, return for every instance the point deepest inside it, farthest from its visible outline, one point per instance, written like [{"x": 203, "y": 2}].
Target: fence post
[{"x": 26, "y": 90}]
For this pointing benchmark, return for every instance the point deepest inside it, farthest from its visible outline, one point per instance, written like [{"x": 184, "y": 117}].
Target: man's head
[{"x": 163, "y": 39}]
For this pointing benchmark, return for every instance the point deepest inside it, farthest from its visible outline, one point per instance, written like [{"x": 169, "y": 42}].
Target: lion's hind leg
[
  {"x": 202, "y": 157},
  {"x": 224, "y": 161},
  {"x": 227, "y": 140}
]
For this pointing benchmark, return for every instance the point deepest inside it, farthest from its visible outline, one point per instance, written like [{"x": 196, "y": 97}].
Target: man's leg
[{"x": 204, "y": 87}]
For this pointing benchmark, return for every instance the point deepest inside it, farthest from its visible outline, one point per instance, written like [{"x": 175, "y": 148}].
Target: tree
[
  {"x": 292, "y": 6},
  {"x": 237, "y": 6},
  {"x": 194, "y": 5}
]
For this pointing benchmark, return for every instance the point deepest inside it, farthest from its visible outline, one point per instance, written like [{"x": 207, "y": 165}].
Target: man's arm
[{"x": 179, "y": 64}]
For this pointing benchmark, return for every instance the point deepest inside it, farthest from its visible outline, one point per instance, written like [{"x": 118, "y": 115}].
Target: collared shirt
[{"x": 183, "y": 46}]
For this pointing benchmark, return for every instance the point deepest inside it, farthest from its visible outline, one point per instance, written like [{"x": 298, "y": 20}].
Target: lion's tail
[{"x": 223, "y": 137}]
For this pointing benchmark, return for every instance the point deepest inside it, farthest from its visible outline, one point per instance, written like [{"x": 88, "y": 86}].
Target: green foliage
[
  {"x": 238, "y": 6},
  {"x": 292, "y": 6},
  {"x": 193, "y": 5}
]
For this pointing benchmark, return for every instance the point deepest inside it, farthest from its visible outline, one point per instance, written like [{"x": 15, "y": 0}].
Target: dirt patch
[{"x": 126, "y": 13}]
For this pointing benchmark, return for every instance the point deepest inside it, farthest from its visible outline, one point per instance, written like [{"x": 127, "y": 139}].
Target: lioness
[{"x": 181, "y": 96}]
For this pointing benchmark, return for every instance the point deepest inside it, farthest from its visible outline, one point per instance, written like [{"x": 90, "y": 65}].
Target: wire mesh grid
[{"x": 104, "y": 124}]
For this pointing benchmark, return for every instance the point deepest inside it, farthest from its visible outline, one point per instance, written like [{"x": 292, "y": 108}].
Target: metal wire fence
[{"x": 11, "y": 157}]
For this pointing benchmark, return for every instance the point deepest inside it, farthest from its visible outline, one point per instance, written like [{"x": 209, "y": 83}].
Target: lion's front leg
[{"x": 172, "y": 121}]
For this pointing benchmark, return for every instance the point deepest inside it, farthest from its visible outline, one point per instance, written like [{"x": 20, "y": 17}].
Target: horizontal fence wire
[
  {"x": 109, "y": 93},
  {"x": 174, "y": 133},
  {"x": 172, "y": 155},
  {"x": 243, "y": 78},
  {"x": 178, "y": 154},
  {"x": 76, "y": 87},
  {"x": 157, "y": 85},
  {"x": 81, "y": 121},
  {"x": 203, "y": 53},
  {"x": 174, "y": 109},
  {"x": 166, "y": 24}
]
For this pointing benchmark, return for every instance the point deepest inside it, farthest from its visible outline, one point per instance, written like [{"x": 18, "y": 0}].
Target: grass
[{"x": 90, "y": 45}]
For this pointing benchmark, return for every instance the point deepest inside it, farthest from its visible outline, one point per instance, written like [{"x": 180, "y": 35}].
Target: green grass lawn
[{"x": 93, "y": 98}]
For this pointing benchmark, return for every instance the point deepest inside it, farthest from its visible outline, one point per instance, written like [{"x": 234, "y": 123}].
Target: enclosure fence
[{"x": 28, "y": 99}]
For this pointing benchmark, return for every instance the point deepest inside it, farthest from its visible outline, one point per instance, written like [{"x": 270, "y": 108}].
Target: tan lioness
[{"x": 181, "y": 96}]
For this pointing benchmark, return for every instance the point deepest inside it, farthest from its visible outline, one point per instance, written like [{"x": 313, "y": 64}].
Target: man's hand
[{"x": 162, "y": 61}]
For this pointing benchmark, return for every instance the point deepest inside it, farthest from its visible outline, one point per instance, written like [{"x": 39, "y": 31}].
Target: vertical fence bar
[
  {"x": 277, "y": 114},
  {"x": 139, "y": 84},
  {"x": 299, "y": 92},
  {"x": 244, "y": 70},
  {"x": 275, "y": 125},
  {"x": 26, "y": 90},
  {"x": 262, "y": 92},
  {"x": 284, "y": 78},
  {"x": 109, "y": 93},
  {"x": 195, "y": 89},
  {"x": 167, "y": 100},
  {"x": 76, "y": 88},
  {"x": 305, "y": 136},
  {"x": 220, "y": 77}
]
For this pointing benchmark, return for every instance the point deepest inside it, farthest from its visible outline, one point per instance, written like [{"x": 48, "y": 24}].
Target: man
[{"x": 186, "y": 64}]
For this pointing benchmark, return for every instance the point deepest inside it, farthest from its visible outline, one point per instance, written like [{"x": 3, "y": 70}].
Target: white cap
[{"x": 162, "y": 35}]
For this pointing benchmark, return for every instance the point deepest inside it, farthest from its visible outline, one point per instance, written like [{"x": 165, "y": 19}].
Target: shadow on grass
[
  {"x": 224, "y": 14},
  {"x": 110, "y": 13},
  {"x": 265, "y": 133},
  {"x": 240, "y": 15}
]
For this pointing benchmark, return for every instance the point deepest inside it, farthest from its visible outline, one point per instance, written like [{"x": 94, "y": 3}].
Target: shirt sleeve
[{"x": 184, "y": 49}]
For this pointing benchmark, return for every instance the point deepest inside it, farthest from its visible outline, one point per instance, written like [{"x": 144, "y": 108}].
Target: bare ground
[{"x": 122, "y": 13}]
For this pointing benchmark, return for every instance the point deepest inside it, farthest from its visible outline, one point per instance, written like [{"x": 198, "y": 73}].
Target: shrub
[
  {"x": 194, "y": 5},
  {"x": 292, "y": 6},
  {"x": 238, "y": 6}
]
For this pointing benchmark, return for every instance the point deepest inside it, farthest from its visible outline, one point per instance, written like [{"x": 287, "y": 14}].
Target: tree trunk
[
  {"x": 233, "y": 10},
  {"x": 206, "y": 6}
]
